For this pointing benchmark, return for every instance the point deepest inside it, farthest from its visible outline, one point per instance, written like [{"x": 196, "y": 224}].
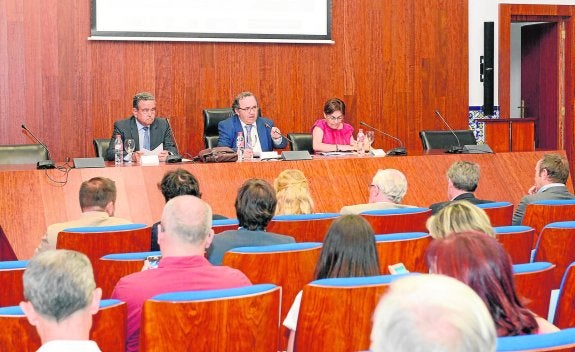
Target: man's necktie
[
  {"x": 147, "y": 138},
  {"x": 249, "y": 136}
]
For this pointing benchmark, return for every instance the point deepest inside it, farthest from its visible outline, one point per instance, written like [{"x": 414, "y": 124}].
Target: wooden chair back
[
  {"x": 113, "y": 267},
  {"x": 335, "y": 314},
  {"x": 398, "y": 220},
  {"x": 237, "y": 319},
  {"x": 12, "y": 291},
  {"x": 557, "y": 245},
  {"x": 290, "y": 266},
  {"x": 500, "y": 213},
  {"x": 407, "y": 248},
  {"x": 517, "y": 241},
  {"x": 96, "y": 242},
  {"x": 108, "y": 328},
  {"x": 304, "y": 227},
  {"x": 563, "y": 340},
  {"x": 540, "y": 214},
  {"x": 564, "y": 317},
  {"x": 533, "y": 283},
  {"x": 224, "y": 225}
]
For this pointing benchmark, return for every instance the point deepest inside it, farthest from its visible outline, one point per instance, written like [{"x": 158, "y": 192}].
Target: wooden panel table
[{"x": 31, "y": 201}]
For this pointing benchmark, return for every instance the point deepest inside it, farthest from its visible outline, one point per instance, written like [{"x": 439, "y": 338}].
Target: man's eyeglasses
[
  {"x": 335, "y": 118},
  {"x": 250, "y": 109}
]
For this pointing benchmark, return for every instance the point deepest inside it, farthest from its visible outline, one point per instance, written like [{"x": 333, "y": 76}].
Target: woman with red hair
[{"x": 481, "y": 262}]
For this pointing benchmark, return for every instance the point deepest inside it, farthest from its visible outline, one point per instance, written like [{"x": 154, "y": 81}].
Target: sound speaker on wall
[{"x": 488, "y": 68}]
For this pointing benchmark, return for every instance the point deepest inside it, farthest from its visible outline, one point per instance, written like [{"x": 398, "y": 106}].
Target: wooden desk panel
[{"x": 30, "y": 201}]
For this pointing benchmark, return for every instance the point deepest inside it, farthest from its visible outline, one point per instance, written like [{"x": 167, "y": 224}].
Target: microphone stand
[{"x": 399, "y": 151}]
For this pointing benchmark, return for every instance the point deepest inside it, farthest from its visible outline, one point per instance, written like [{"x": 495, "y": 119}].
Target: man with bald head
[
  {"x": 386, "y": 191},
  {"x": 184, "y": 233}
]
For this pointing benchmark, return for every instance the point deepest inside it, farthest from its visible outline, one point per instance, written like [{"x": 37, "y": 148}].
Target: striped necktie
[{"x": 249, "y": 136}]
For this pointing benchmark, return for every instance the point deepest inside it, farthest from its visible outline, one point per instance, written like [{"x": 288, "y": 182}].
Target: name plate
[{"x": 149, "y": 160}]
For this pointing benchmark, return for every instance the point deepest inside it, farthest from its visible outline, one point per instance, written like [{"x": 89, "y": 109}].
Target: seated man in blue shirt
[{"x": 264, "y": 137}]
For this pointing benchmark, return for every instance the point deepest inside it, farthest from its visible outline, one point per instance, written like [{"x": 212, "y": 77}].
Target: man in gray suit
[
  {"x": 144, "y": 128},
  {"x": 255, "y": 207},
  {"x": 551, "y": 173}
]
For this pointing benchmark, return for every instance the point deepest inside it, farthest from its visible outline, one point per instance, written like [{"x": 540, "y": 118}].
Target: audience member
[
  {"x": 255, "y": 207},
  {"x": 264, "y": 137},
  {"x": 331, "y": 134},
  {"x": 175, "y": 183},
  {"x": 97, "y": 201},
  {"x": 147, "y": 131},
  {"x": 292, "y": 193},
  {"x": 551, "y": 173},
  {"x": 462, "y": 180},
  {"x": 386, "y": 191},
  {"x": 61, "y": 297},
  {"x": 184, "y": 234},
  {"x": 459, "y": 216},
  {"x": 481, "y": 262},
  {"x": 348, "y": 251},
  {"x": 431, "y": 313}
]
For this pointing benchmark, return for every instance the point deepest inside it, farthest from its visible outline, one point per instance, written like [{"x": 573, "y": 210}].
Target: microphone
[
  {"x": 453, "y": 149},
  {"x": 270, "y": 127},
  {"x": 42, "y": 164},
  {"x": 395, "y": 151},
  {"x": 171, "y": 159}
]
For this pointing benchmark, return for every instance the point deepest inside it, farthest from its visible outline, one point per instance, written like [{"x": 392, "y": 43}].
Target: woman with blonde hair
[
  {"x": 292, "y": 193},
  {"x": 460, "y": 216}
]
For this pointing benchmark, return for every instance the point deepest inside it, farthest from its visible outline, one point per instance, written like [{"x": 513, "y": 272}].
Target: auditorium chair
[
  {"x": 290, "y": 266},
  {"x": 335, "y": 314},
  {"x": 563, "y": 340},
  {"x": 397, "y": 220},
  {"x": 12, "y": 291},
  {"x": 235, "y": 319},
  {"x": 300, "y": 141},
  {"x": 22, "y": 154},
  {"x": 108, "y": 328},
  {"x": 543, "y": 212},
  {"x": 407, "y": 248},
  {"x": 534, "y": 281},
  {"x": 446, "y": 139},
  {"x": 303, "y": 227},
  {"x": 6, "y": 250},
  {"x": 517, "y": 241},
  {"x": 564, "y": 317},
  {"x": 100, "y": 146},
  {"x": 96, "y": 242},
  {"x": 557, "y": 245},
  {"x": 212, "y": 117},
  {"x": 500, "y": 213},
  {"x": 224, "y": 225},
  {"x": 113, "y": 267}
]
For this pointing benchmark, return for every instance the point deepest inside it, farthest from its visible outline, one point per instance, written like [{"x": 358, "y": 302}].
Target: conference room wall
[{"x": 393, "y": 62}]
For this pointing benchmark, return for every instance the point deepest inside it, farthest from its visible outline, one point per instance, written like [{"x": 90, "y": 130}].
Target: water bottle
[
  {"x": 240, "y": 144},
  {"x": 118, "y": 151},
  {"x": 360, "y": 141}
]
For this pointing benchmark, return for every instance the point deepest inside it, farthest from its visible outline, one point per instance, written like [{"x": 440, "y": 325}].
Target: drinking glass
[
  {"x": 250, "y": 147},
  {"x": 370, "y": 135},
  {"x": 130, "y": 147}
]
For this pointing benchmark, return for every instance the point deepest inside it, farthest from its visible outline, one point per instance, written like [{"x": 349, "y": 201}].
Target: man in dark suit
[
  {"x": 147, "y": 130},
  {"x": 265, "y": 136},
  {"x": 255, "y": 207},
  {"x": 462, "y": 180},
  {"x": 551, "y": 173}
]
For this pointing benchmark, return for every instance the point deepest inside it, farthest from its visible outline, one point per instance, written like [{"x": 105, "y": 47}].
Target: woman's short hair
[
  {"x": 255, "y": 204},
  {"x": 480, "y": 261},
  {"x": 292, "y": 193},
  {"x": 459, "y": 216},
  {"x": 348, "y": 250},
  {"x": 332, "y": 105}
]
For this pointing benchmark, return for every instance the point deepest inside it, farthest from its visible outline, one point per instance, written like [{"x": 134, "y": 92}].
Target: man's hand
[{"x": 276, "y": 134}]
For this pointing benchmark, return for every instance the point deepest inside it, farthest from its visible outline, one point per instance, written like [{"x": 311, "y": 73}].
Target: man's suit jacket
[
  {"x": 228, "y": 131},
  {"x": 230, "y": 239},
  {"x": 360, "y": 208},
  {"x": 160, "y": 132},
  {"x": 558, "y": 192},
  {"x": 470, "y": 197}
]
